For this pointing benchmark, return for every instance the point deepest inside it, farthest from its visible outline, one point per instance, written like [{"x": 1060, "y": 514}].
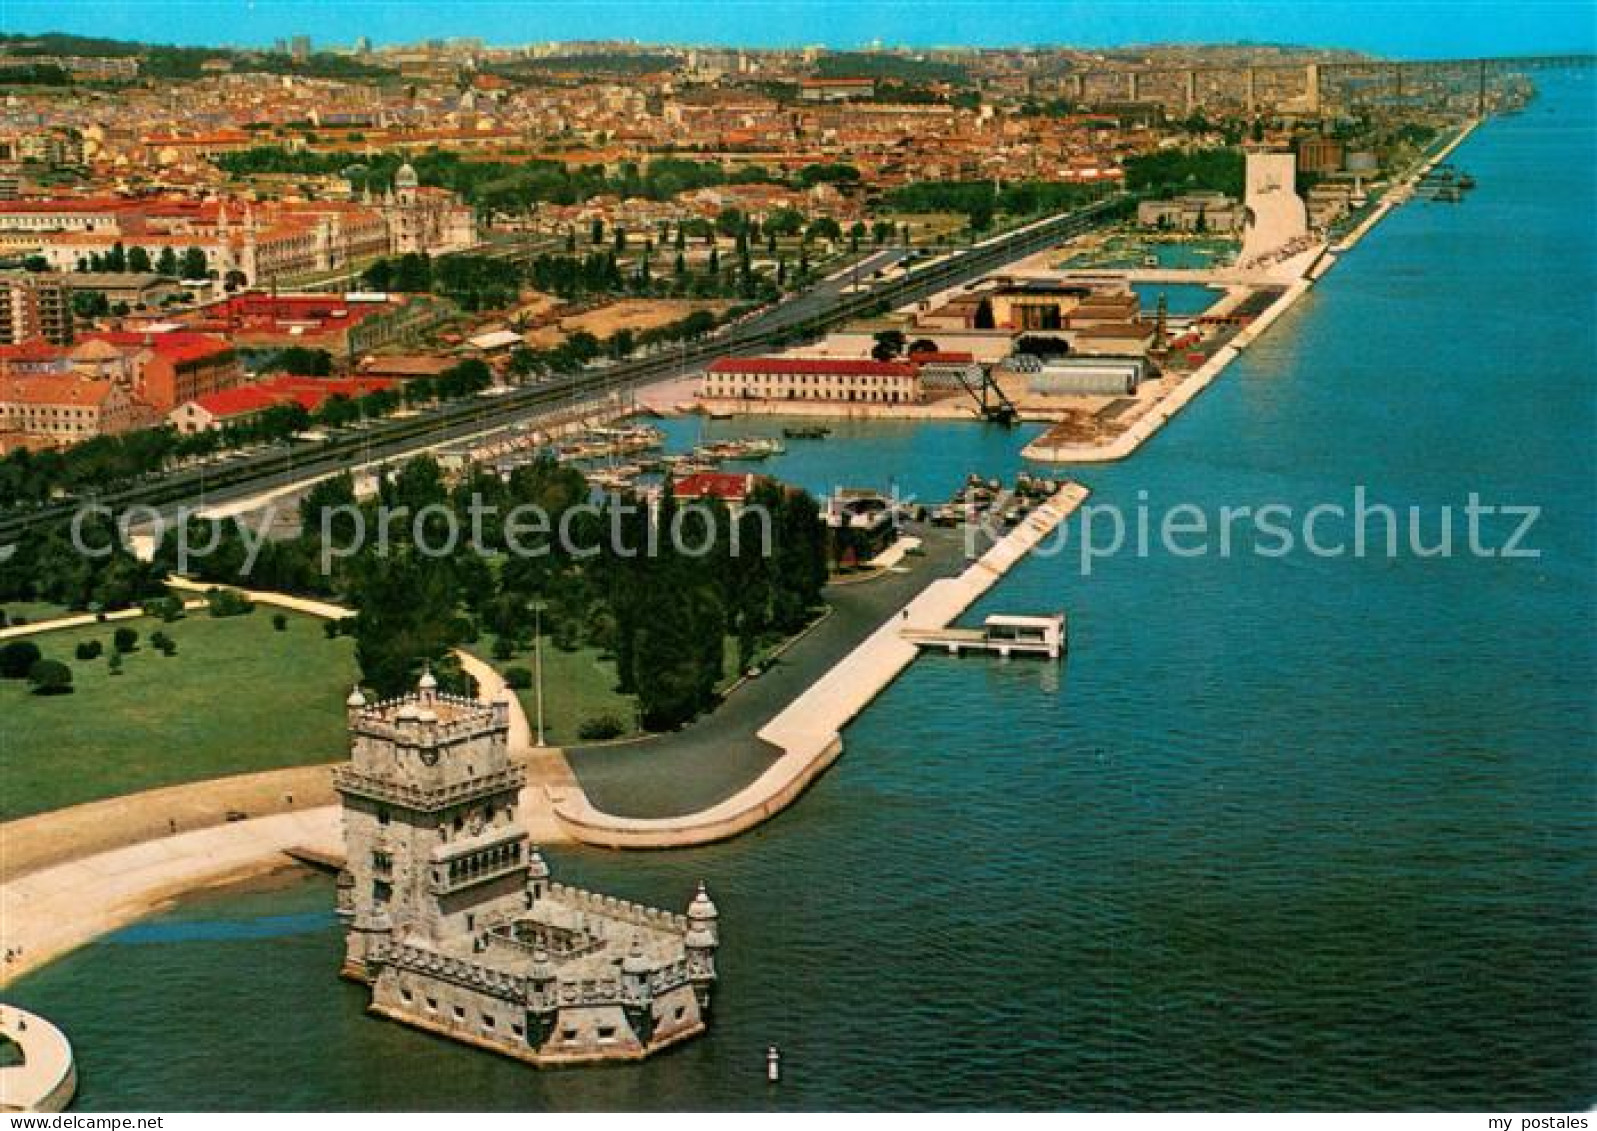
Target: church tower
[{"x": 434, "y": 851}]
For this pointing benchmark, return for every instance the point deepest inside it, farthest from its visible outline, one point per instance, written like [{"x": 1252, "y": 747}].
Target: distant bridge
[{"x": 1308, "y": 86}]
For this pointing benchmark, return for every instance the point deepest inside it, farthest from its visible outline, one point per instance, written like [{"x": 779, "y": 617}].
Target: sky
[{"x": 1396, "y": 28}]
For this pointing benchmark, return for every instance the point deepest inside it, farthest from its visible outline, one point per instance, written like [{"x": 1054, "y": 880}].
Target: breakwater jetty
[
  {"x": 809, "y": 730},
  {"x": 47, "y": 1078}
]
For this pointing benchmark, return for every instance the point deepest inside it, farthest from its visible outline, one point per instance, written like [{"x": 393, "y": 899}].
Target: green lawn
[
  {"x": 32, "y": 611},
  {"x": 577, "y": 686},
  {"x": 580, "y": 685},
  {"x": 238, "y": 696}
]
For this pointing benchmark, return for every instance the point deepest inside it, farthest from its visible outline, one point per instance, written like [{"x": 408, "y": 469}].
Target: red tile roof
[
  {"x": 312, "y": 392},
  {"x": 724, "y": 485},
  {"x": 54, "y": 391},
  {"x": 816, "y": 366},
  {"x": 176, "y": 346}
]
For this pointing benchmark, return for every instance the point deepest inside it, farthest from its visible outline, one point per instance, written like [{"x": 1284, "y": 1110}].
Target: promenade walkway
[
  {"x": 46, "y": 1079},
  {"x": 79, "y": 620},
  {"x": 808, "y": 731}
]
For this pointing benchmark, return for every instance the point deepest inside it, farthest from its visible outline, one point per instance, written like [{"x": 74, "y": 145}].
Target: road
[{"x": 822, "y": 306}]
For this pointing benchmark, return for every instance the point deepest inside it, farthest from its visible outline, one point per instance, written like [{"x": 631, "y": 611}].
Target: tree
[
  {"x": 50, "y": 677},
  {"x": 125, "y": 640},
  {"x": 824, "y": 228},
  {"x": 922, "y": 345},
  {"x": 889, "y": 344},
  {"x": 195, "y": 265},
  {"x": 518, "y": 678},
  {"x": 17, "y": 659},
  {"x": 596, "y": 232},
  {"x": 138, "y": 260},
  {"x": 89, "y": 305},
  {"x": 279, "y": 622},
  {"x": 166, "y": 263},
  {"x": 304, "y": 362}
]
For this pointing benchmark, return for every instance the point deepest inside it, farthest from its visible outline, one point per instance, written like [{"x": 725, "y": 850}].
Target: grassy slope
[{"x": 238, "y": 696}]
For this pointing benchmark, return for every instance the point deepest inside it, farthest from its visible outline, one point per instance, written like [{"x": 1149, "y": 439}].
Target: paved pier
[
  {"x": 46, "y": 1079},
  {"x": 808, "y": 731}
]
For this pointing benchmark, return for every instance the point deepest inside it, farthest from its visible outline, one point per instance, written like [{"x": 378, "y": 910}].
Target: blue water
[
  {"x": 1179, "y": 298},
  {"x": 1282, "y": 833}
]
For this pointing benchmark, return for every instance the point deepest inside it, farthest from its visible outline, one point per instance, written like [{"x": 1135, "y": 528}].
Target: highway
[{"x": 824, "y": 305}]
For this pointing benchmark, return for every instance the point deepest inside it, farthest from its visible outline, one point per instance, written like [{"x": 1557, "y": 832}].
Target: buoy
[{"x": 773, "y": 1064}]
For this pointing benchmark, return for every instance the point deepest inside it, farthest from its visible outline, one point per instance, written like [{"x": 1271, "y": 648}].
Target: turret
[
  {"x": 537, "y": 876},
  {"x": 635, "y": 970},
  {"x": 701, "y": 941},
  {"x": 543, "y": 997},
  {"x": 356, "y": 703}
]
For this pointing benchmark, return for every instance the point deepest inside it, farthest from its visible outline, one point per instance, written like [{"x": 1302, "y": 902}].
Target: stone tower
[
  {"x": 456, "y": 923},
  {"x": 430, "y": 830}
]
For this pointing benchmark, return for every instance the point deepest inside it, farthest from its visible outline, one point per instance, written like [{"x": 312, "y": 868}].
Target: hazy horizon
[{"x": 1409, "y": 29}]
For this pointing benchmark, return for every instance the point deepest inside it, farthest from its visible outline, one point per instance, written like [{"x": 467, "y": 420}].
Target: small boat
[
  {"x": 1466, "y": 182},
  {"x": 815, "y": 432},
  {"x": 1150, "y": 261}
]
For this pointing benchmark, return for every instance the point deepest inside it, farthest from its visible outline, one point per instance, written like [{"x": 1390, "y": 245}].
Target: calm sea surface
[{"x": 1282, "y": 833}]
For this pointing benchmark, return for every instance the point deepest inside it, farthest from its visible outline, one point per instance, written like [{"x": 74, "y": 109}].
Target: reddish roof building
[
  {"x": 176, "y": 366},
  {"x": 835, "y": 380},
  {"x": 728, "y": 487},
  {"x": 231, "y": 406}
]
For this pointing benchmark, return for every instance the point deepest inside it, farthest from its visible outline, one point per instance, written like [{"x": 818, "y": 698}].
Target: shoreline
[
  {"x": 56, "y": 909},
  {"x": 1182, "y": 394},
  {"x": 808, "y": 730}
]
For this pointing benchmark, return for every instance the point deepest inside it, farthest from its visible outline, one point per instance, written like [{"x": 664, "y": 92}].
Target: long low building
[
  {"x": 837, "y": 380},
  {"x": 1087, "y": 376}
]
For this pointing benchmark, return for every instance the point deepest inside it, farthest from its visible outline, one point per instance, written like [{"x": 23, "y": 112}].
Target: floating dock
[{"x": 1005, "y": 635}]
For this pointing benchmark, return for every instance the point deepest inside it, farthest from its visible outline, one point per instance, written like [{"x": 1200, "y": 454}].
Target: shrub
[
  {"x": 89, "y": 649},
  {"x": 163, "y": 643},
  {"x": 114, "y": 664},
  {"x": 125, "y": 640},
  {"x": 50, "y": 677},
  {"x": 518, "y": 678},
  {"x": 600, "y": 728},
  {"x": 228, "y": 603},
  {"x": 330, "y": 629},
  {"x": 167, "y": 609},
  {"x": 17, "y": 659},
  {"x": 280, "y": 622}
]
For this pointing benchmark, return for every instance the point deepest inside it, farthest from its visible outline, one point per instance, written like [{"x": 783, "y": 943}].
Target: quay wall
[
  {"x": 808, "y": 730},
  {"x": 1201, "y": 378},
  {"x": 47, "y": 1078}
]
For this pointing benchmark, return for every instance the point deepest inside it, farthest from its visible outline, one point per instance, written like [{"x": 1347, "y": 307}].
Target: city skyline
[{"x": 1407, "y": 29}]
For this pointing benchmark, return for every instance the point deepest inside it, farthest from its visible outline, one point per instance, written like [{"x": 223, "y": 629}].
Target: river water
[{"x": 1287, "y": 832}]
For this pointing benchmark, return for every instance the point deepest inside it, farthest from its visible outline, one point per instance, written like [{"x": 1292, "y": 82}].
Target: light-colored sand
[
  {"x": 71, "y": 875},
  {"x": 633, "y": 314}
]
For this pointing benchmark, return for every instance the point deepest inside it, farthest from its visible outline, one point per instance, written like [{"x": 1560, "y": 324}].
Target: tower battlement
[{"x": 451, "y": 916}]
